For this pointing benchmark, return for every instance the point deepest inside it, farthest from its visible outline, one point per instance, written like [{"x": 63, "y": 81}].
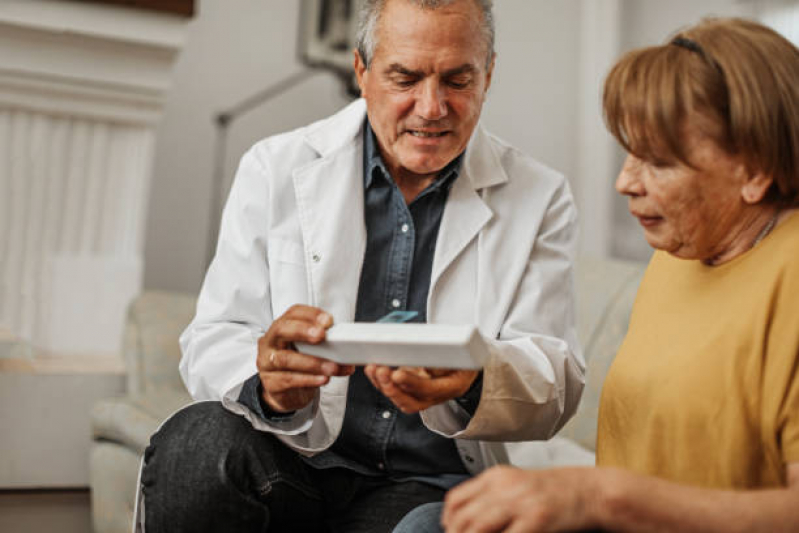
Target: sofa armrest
[
  {"x": 553, "y": 453},
  {"x": 131, "y": 421}
]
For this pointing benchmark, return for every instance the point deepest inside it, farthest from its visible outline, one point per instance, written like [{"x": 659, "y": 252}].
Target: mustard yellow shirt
[{"x": 704, "y": 390}]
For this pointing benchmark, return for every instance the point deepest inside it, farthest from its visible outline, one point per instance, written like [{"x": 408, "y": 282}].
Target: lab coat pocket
[{"x": 287, "y": 276}]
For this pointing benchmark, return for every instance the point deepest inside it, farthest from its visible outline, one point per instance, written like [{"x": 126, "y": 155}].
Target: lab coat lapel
[
  {"x": 330, "y": 203},
  {"x": 466, "y": 213}
]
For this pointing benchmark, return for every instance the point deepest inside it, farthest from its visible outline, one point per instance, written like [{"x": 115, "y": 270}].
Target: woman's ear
[{"x": 755, "y": 186}]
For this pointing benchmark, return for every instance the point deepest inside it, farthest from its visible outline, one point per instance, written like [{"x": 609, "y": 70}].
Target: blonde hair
[{"x": 738, "y": 82}]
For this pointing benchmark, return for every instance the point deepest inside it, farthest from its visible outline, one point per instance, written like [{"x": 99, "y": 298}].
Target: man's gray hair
[{"x": 366, "y": 40}]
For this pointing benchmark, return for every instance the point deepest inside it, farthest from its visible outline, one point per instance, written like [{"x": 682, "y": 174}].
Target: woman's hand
[{"x": 513, "y": 500}]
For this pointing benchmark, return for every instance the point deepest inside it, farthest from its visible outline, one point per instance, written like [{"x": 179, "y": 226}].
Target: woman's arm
[{"x": 512, "y": 500}]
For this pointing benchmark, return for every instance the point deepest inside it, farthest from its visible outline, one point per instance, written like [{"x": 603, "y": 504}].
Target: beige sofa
[{"x": 122, "y": 426}]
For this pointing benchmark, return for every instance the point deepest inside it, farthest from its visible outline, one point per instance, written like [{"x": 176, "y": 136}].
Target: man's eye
[
  {"x": 404, "y": 82},
  {"x": 458, "y": 83}
]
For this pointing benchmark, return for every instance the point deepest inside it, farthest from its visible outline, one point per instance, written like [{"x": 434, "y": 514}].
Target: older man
[{"x": 398, "y": 202}]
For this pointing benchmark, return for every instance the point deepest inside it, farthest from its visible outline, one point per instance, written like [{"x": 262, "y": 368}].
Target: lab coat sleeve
[
  {"x": 535, "y": 374},
  {"x": 233, "y": 309}
]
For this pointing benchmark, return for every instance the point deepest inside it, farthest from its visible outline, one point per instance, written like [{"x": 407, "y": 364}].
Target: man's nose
[
  {"x": 629, "y": 181},
  {"x": 432, "y": 102}
]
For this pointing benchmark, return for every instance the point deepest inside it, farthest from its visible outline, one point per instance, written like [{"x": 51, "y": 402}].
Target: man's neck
[{"x": 411, "y": 185}]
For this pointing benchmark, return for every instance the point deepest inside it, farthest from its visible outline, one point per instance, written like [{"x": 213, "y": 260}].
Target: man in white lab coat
[{"x": 399, "y": 202}]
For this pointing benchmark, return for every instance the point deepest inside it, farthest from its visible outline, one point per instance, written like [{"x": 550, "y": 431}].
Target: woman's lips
[{"x": 648, "y": 221}]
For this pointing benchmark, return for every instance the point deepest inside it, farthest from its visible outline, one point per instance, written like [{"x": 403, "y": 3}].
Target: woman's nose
[{"x": 629, "y": 181}]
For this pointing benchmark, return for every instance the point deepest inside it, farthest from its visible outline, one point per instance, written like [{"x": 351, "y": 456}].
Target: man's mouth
[{"x": 427, "y": 134}]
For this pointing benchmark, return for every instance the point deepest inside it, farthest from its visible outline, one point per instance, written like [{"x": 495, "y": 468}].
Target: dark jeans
[{"x": 207, "y": 469}]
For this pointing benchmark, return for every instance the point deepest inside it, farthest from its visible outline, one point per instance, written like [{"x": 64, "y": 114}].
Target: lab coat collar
[
  {"x": 333, "y": 228},
  {"x": 481, "y": 167}
]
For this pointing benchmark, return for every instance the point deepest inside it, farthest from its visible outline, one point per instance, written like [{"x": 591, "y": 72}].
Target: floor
[{"x": 64, "y": 511}]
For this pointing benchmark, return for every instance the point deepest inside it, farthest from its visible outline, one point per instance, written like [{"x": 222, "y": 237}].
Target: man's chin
[
  {"x": 427, "y": 163},
  {"x": 424, "y": 169}
]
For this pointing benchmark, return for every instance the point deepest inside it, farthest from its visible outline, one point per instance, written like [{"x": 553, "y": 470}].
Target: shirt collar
[{"x": 373, "y": 161}]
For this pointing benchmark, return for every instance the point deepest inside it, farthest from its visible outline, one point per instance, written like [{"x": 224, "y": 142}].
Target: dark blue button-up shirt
[{"x": 376, "y": 438}]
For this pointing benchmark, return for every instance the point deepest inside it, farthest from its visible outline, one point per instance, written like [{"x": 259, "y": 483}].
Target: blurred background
[{"x": 121, "y": 125}]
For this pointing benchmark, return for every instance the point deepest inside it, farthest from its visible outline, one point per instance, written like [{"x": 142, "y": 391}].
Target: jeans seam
[{"x": 277, "y": 477}]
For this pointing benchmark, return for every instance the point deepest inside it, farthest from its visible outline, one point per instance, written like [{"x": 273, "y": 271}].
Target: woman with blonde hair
[{"x": 699, "y": 419}]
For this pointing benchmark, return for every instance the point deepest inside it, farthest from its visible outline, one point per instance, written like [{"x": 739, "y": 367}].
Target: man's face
[{"x": 426, "y": 84}]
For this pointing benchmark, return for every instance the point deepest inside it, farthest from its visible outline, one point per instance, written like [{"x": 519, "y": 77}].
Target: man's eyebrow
[
  {"x": 466, "y": 68},
  {"x": 396, "y": 68}
]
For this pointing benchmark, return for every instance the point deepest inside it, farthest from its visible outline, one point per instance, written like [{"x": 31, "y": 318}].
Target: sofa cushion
[
  {"x": 606, "y": 291},
  {"x": 154, "y": 323}
]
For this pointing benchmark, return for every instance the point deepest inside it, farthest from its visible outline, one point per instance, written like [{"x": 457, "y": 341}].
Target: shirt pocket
[{"x": 281, "y": 250}]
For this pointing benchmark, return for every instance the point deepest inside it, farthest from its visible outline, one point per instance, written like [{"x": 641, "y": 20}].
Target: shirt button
[
  {"x": 405, "y": 228},
  {"x": 395, "y": 303},
  {"x": 386, "y": 414},
  {"x": 316, "y": 258}
]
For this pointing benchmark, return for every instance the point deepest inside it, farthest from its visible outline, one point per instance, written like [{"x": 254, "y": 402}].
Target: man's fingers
[
  {"x": 439, "y": 386},
  {"x": 289, "y": 360},
  {"x": 415, "y": 389},
  {"x": 415, "y": 383},
  {"x": 369, "y": 372},
  {"x": 281, "y": 382},
  {"x": 380, "y": 377},
  {"x": 285, "y": 331},
  {"x": 301, "y": 323},
  {"x": 309, "y": 314}
]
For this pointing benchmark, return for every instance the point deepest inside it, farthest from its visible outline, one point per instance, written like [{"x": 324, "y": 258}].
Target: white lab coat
[{"x": 293, "y": 233}]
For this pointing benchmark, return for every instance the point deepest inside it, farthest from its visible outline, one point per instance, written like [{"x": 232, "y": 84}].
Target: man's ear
[
  {"x": 756, "y": 186},
  {"x": 490, "y": 73},
  {"x": 361, "y": 71}
]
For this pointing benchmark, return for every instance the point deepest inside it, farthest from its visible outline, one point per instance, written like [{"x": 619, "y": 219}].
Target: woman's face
[{"x": 692, "y": 213}]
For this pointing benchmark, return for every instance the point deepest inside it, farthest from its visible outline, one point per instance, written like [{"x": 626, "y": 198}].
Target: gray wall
[{"x": 232, "y": 53}]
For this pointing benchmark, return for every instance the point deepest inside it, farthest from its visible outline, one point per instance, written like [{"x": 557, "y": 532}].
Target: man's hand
[
  {"x": 513, "y": 500},
  {"x": 415, "y": 389},
  {"x": 290, "y": 379}
]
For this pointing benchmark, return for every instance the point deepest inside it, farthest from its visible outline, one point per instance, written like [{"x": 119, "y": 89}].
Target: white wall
[
  {"x": 646, "y": 23},
  {"x": 232, "y": 53},
  {"x": 233, "y": 50},
  {"x": 532, "y": 102}
]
